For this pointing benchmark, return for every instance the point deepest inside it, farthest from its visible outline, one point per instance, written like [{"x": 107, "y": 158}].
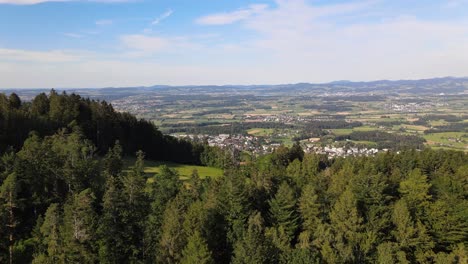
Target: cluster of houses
[
  {"x": 240, "y": 142},
  {"x": 281, "y": 118},
  {"x": 331, "y": 151},
  {"x": 253, "y": 145},
  {"x": 411, "y": 107}
]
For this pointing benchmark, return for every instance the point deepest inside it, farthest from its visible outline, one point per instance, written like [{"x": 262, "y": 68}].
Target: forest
[
  {"x": 97, "y": 120},
  {"x": 66, "y": 197}
]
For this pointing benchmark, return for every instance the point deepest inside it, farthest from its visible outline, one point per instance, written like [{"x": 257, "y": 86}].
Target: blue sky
[{"x": 102, "y": 43}]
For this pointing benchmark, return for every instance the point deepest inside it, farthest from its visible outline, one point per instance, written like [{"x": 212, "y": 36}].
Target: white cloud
[
  {"x": 54, "y": 56},
  {"x": 232, "y": 17},
  {"x": 163, "y": 16}
]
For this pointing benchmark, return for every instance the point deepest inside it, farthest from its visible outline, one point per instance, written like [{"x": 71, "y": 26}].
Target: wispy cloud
[
  {"x": 455, "y": 3},
  {"x": 104, "y": 22},
  {"x": 54, "y": 56},
  {"x": 232, "y": 17},
  {"x": 163, "y": 16}
]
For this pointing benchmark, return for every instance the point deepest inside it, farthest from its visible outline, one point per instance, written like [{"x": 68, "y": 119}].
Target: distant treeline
[
  {"x": 218, "y": 128},
  {"x": 424, "y": 120},
  {"x": 386, "y": 140},
  {"x": 453, "y": 127},
  {"x": 97, "y": 120},
  {"x": 329, "y": 107}
]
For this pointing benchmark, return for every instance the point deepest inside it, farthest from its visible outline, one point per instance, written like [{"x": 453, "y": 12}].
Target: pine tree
[
  {"x": 51, "y": 238},
  {"x": 254, "y": 247},
  {"x": 415, "y": 192},
  {"x": 162, "y": 189},
  {"x": 294, "y": 171},
  {"x": 14, "y": 101},
  {"x": 9, "y": 201},
  {"x": 40, "y": 105},
  {"x": 79, "y": 228},
  {"x": 234, "y": 204},
  {"x": 282, "y": 211},
  {"x": 412, "y": 237},
  {"x": 112, "y": 162},
  {"x": 310, "y": 212},
  {"x": 347, "y": 228},
  {"x": 196, "y": 250},
  {"x": 195, "y": 219},
  {"x": 113, "y": 241},
  {"x": 173, "y": 238}
]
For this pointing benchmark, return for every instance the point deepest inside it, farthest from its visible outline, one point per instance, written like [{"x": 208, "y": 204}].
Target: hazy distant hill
[{"x": 446, "y": 85}]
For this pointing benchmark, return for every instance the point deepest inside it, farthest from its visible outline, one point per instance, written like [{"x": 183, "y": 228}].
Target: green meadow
[{"x": 184, "y": 170}]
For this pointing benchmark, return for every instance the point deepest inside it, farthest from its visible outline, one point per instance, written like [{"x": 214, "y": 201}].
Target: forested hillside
[
  {"x": 65, "y": 197},
  {"x": 97, "y": 120}
]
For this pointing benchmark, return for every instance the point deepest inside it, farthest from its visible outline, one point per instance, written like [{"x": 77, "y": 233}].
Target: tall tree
[
  {"x": 112, "y": 244},
  {"x": 51, "y": 239},
  {"x": 14, "y": 101},
  {"x": 411, "y": 236},
  {"x": 254, "y": 247},
  {"x": 346, "y": 225},
  {"x": 310, "y": 212},
  {"x": 284, "y": 218},
  {"x": 79, "y": 229},
  {"x": 9, "y": 203},
  {"x": 162, "y": 189},
  {"x": 283, "y": 210},
  {"x": 173, "y": 238},
  {"x": 196, "y": 250},
  {"x": 415, "y": 192}
]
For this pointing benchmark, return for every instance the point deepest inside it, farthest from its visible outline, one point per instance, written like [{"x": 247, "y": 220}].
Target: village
[{"x": 259, "y": 146}]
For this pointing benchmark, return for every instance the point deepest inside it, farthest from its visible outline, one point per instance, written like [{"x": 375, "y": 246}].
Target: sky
[{"x": 118, "y": 43}]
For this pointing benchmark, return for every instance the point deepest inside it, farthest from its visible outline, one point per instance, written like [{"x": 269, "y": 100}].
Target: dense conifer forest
[{"x": 66, "y": 197}]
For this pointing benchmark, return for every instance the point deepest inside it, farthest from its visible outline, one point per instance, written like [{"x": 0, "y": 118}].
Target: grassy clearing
[
  {"x": 260, "y": 132},
  {"x": 457, "y": 140},
  {"x": 347, "y": 131},
  {"x": 185, "y": 171}
]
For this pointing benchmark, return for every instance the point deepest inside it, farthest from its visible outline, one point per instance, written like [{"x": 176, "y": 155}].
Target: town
[{"x": 260, "y": 146}]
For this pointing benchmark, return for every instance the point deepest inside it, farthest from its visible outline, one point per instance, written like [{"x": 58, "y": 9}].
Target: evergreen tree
[
  {"x": 412, "y": 237},
  {"x": 8, "y": 206},
  {"x": 310, "y": 214},
  {"x": 173, "y": 238},
  {"x": 79, "y": 228},
  {"x": 51, "y": 238},
  {"x": 162, "y": 189},
  {"x": 346, "y": 225},
  {"x": 234, "y": 204},
  {"x": 112, "y": 162},
  {"x": 14, "y": 101},
  {"x": 254, "y": 247},
  {"x": 113, "y": 240},
  {"x": 415, "y": 192},
  {"x": 40, "y": 105},
  {"x": 283, "y": 212},
  {"x": 196, "y": 250}
]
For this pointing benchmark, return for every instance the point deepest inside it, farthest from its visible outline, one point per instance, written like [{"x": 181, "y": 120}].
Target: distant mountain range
[{"x": 446, "y": 85}]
